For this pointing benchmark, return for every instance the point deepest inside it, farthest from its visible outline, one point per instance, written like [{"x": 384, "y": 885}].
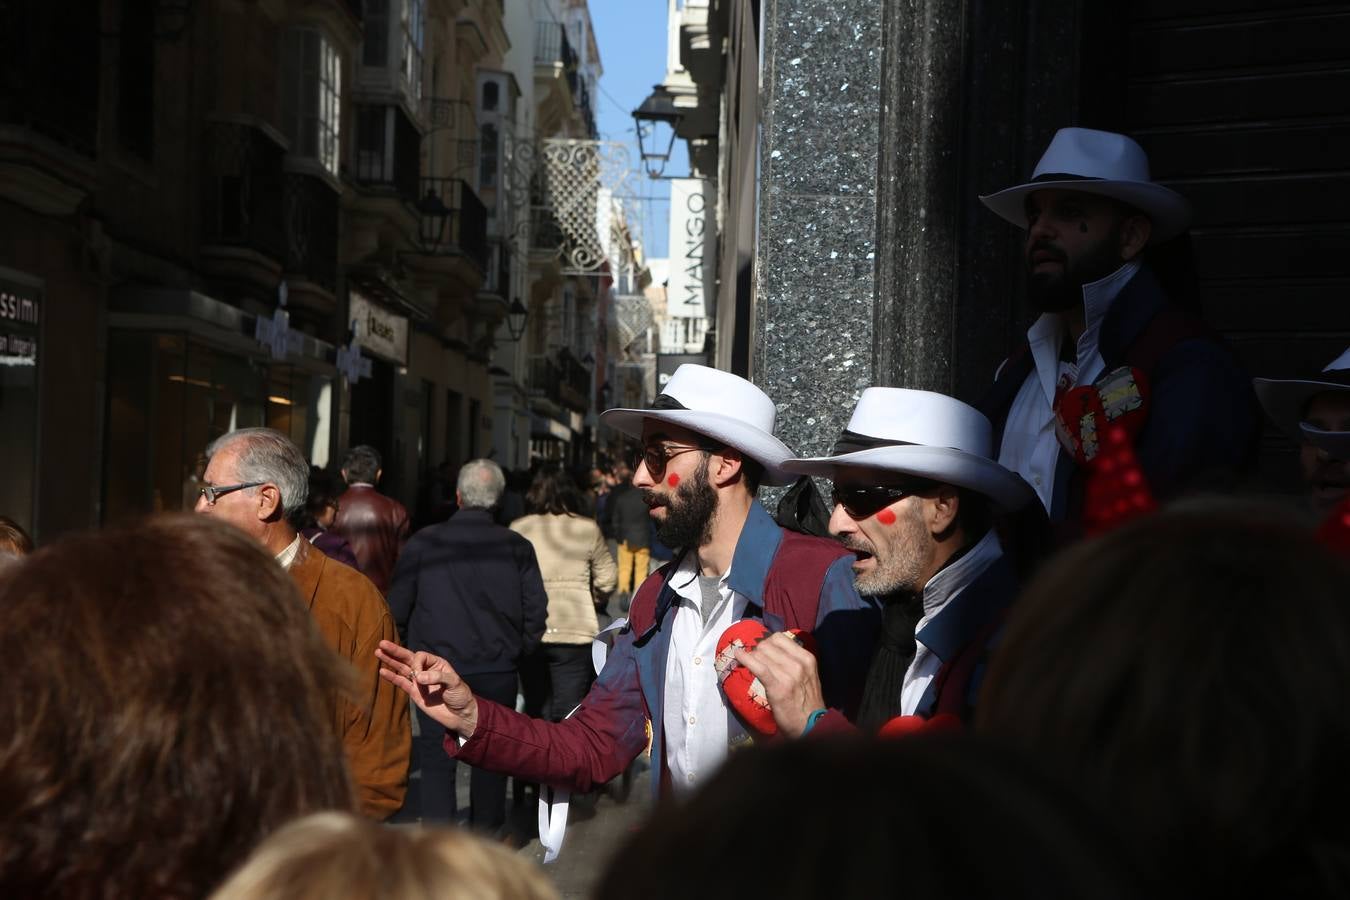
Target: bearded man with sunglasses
[
  {"x": 915, "y": 492},
  {"x": 707, "y": 446}
]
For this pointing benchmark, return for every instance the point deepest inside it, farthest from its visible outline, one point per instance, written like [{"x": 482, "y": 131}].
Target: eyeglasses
[
  {"x": 655, "y": 456},
  {"x": 865, "y": 501},
  {"x": 212, "y": 494}
]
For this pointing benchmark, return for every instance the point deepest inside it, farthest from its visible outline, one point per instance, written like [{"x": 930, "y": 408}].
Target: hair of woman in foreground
[{"x": 335, "y": 855}]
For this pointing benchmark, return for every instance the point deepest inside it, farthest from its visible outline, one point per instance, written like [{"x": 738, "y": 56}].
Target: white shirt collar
[
  {"x": 287, "y": 556},
  {"x": 684, "y": 580},
  {"x": 950, "y": 580},
  {"x": 1047, "y": 332}
]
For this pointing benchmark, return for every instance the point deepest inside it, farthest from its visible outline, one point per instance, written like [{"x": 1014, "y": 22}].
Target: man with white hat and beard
[
  {"x": 915, "y": 492},
  {"x": 1093, "y": 219},
  {"x": 707, "y": 444},
  {"x": 1315, "y": 413}
]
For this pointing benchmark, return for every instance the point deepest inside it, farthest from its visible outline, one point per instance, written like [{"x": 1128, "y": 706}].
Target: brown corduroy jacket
[{"x": 353, "y": 617}]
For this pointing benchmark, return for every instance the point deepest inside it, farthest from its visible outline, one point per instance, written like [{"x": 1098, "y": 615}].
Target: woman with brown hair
[
  {"x": 164, "y": 707},
  {"x": 578, "y": 574},
  {"x": 1190, "y": 674}
]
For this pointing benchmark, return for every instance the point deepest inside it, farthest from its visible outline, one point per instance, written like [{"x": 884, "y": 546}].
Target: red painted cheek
[
  {"x": 886, "y": 517},
  {"x": 673, "y": 480}
]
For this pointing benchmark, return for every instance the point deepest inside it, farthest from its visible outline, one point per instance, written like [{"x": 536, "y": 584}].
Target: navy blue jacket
[
  {"x": 1202, "y": 421},
  {"x": 469, "y": 590}
]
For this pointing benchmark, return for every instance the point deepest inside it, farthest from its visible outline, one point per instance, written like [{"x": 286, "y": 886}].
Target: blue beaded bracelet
[{"x": 812, "y": 719}]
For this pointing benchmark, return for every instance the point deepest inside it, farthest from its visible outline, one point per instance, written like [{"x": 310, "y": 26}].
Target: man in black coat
[
  {"x": 1094, "y": 220},
  {"x": 631, "y": 522},
  {"x": 469, "y": 590}
]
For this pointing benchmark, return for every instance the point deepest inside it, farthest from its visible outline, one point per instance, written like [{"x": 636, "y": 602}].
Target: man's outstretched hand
[{"x": 434, "y": 686}]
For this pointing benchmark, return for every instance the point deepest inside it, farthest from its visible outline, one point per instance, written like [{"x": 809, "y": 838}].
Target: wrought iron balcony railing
[{"x": 453, "y": 220}]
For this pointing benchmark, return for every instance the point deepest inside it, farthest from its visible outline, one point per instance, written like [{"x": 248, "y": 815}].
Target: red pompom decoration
[
  {"x": 743, "y": 690},
  {"x": 1334, "y": 532},
  {"x": 905, "y": 725}
]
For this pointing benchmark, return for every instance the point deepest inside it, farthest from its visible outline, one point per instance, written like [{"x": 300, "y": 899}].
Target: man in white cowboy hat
[
  {"x": 1093, "y": 217},
  {"x": 707, "y": 445},
  {"x": 1315, "y": 412},
  {"x": 915, "y": 492}
]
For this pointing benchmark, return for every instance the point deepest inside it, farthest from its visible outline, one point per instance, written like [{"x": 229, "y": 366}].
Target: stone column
[
  {"x": 815, "y": 266},
  {"x": 882, "y": 123}
]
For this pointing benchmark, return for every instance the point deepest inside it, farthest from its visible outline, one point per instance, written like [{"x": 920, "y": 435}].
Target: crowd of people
[{"x": 1041, "y": 645}]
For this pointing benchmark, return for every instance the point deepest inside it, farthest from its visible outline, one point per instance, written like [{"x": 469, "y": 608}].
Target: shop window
[
  {"x": 170, "y": 396},
  {"x": 20, "y": 306},
  {"x": 311, "y": 101}
]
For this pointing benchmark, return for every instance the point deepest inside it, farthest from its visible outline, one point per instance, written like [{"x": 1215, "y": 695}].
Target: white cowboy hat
[
  {"x": 926, "y": 435},
  {"x": 1335, "y": 443},
  {"x": 719, "y": 405},
  {"x": 1098, "y": 162},
  {"x": 1285, "y": 399}
]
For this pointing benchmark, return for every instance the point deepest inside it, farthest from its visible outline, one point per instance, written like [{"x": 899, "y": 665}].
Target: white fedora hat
[
  {"x": 926, "y": 435},
  {"x": 1098, "y": 162},
  {"x": 1335, "y": 443},
  {"x": 719, "y": 405},
  {"x": 1285, "y": 399}
]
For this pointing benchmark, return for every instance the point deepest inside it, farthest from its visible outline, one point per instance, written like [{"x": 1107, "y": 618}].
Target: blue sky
[{"x": 631, "y": 36}]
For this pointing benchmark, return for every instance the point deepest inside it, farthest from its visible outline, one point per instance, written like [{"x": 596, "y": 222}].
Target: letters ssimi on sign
[{"x": 18, "y": 308}]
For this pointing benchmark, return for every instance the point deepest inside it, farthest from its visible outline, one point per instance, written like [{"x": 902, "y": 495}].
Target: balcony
[
  {"x": 545, "y": 381},
  {"x": 453, "y": 220},
  {"x": 551, "y": 47},
  {"x": 387, "y": 151},
  {"x": 575, "y": 387},
  {"x": 242, "y": 192}
]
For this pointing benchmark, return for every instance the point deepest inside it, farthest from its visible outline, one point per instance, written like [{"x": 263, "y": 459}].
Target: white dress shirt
[
  {"x": 287, "y": 556},
  {"x": 1029, "y": 446},
  {"x": 940, "y": 590},
  {"x": 699, "y": 727}
]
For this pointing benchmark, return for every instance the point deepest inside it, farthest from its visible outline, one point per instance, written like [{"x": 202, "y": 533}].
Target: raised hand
[
  {"x": 791, "y": 682},
  {"x": 432, "y": 684}
]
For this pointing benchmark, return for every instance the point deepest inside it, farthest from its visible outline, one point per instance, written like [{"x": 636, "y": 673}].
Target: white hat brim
[
  {"x": 1168, "y": 211},
  {"x": 1336, "y": 443},
  {"x": 1283, "y": 399},
  {"x": 755, "y": 443},
  {"x": 1008, "y": 490}
]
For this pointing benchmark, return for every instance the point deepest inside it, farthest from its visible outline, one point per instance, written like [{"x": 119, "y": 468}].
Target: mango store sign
[
  {"x": 378, "y": 330},
  {"x": 693, "y": 250}
]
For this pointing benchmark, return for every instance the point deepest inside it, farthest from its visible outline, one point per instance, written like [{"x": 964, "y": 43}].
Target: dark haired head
[
  {"x": 14, "y": 541},
  {"x": 361, "y": 465},
  {"x": 1191, "y": 673},
  {"x": 324, "y": 491},
  {"x": 936, "y": 817},
  {"x": 554, "y": 492},
  {"x": 166, "y": 704}
]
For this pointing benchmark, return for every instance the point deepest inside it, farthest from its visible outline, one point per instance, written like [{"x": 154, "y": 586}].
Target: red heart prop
[
  {"x": 1083, "y": 415},
  {"x": 1334, "y": 532},
  {"x": 743, "y": 690}
]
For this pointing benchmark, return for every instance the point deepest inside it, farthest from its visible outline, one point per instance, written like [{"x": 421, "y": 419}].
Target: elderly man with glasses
[
  {"x": 916, "y": 489},
  {"x": 254, "y": 479},
  {"x": 707, "y": 446}
]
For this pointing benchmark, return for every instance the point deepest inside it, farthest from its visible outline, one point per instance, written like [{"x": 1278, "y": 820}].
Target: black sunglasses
[
  {"x": 655, "y": 456},
  {"x": 865, "y": 501}
]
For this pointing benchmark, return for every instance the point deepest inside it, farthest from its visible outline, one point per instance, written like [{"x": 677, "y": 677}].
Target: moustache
[
  {"x": 858, "y": 544},
  {"x": 653, "y": 499},
  {"x": 1044, "y": 246}
]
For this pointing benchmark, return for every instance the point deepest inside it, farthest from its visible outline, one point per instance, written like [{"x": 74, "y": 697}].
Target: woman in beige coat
[{"x": 579, "y": 575}]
